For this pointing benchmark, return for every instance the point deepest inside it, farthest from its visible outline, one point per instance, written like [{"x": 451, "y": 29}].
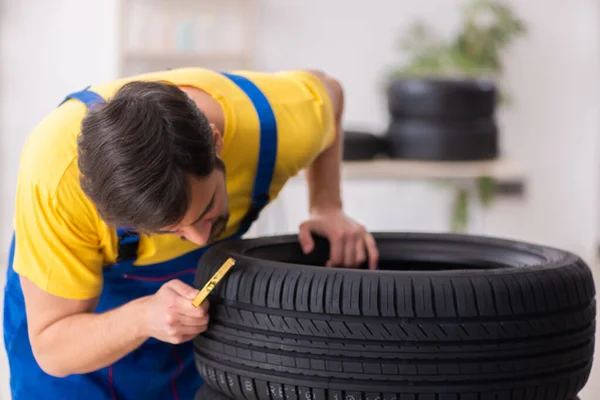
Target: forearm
[
  {"x": 86, "y": 342},
  {"x": 324, "y": 176}
]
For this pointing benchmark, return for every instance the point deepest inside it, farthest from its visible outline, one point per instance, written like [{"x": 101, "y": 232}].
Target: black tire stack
[
  {"x": 362, "y": 146},
  {"x": 445, "y": 317},
  {"x": 442, "y": 119}
]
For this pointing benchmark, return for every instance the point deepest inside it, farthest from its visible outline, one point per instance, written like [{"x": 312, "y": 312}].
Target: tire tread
[{"x": 292, "y": 333}]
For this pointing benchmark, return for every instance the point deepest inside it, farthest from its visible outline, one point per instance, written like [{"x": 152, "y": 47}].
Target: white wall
[
  {"x": 52, "y": 47},
  {"x": 48, "y": 48}
]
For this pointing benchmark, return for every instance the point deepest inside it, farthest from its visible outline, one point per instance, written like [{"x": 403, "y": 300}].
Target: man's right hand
[{"x": 170, "y": 316}]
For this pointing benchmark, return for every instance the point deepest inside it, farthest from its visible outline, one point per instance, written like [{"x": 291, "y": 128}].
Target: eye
[{"x": 199, "y": 223}]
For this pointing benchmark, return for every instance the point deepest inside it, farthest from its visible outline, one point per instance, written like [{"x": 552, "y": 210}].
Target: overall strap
[
  {"x": 267, "y": 155},
  {"x": 128, "y": 239},
  {"x": 129, "y": 242},
  {"x": 87, "y": 97}
]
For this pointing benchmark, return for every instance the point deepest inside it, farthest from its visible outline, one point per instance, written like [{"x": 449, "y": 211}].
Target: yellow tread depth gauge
[{"x": 210, "y": 285}]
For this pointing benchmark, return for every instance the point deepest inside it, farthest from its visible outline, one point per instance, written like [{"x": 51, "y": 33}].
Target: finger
[
  {"x": 185, "y": 307},
  {"x": 361, "y": 253},
  {"x": 192, "y": 336},
  {"x": 336, "y": 252},
  {"x": 205, "y": 305},
  {"x": 350, "y": 251},
  {"x": 182, "y": 289},
  {"x": 372, "y": 251},
  {"x": 192, "y": 322},
  {"x": 185, "y": 335},
  {"x": 192, "y": 330},
  {"x": 196, "y": 329},
  {"x": 305, "y": 238}
]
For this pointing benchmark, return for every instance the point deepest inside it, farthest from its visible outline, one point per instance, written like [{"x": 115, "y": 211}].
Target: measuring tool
[{"x": 210, "y": 285}]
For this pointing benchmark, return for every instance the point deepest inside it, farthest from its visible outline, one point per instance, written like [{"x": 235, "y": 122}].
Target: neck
[{"x": 208, "y": 105}]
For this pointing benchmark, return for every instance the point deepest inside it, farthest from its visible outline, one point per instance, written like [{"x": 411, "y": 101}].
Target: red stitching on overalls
[
  {"x": 158, "y": 278},
  {"x": 173, "y": 387},
  {"x": 110, "y": 382}
]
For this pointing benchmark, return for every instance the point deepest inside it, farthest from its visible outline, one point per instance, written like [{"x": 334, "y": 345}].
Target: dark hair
[{"x": 137, "y": 151}]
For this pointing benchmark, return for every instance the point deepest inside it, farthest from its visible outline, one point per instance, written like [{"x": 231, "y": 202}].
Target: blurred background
[{"x": 526, "y": 167}]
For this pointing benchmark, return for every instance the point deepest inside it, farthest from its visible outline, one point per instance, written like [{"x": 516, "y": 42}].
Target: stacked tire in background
[
  {"x": 362, "y": 145},
  {"x": 442, "y": 119}
]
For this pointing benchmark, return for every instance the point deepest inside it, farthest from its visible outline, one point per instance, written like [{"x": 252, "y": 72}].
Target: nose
[{"x": 199, "y": 233}]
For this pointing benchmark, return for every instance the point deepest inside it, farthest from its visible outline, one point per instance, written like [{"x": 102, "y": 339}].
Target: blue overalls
[{"x": 156, "y": 370}]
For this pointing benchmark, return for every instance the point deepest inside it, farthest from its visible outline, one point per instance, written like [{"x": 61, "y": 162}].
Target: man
[{"x": 122, "y": 188}]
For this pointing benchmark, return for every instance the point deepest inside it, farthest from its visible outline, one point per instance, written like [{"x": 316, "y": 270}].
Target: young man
[{"x": 122, "y": 188}]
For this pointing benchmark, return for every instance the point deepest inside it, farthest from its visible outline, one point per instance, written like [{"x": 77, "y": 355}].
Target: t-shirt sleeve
[
  {"x": 323, "y": 105},
  {"x": 56, "y": 243}
]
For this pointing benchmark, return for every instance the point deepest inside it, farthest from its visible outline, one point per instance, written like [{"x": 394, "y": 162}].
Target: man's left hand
[{"x": 350, "y": 243}]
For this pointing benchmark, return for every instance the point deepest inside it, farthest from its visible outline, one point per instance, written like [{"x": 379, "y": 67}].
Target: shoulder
[
  {"x": 55, "y": 226},
  {"x": 305, "y": 119},
  {"x": 51, "y": 148},
  {"x": 333, "y": 86},
  {"x": 48, "y": 178}
]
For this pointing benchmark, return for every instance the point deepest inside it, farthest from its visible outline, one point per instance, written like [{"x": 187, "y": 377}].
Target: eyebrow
[{"x": 209, "y": 206}]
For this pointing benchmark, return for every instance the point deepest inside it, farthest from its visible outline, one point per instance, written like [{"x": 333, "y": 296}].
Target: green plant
[
  {"x": 488, "y": 28},
  {"x": 460, "y": 218},
  {"x": 485, "y": 188}
]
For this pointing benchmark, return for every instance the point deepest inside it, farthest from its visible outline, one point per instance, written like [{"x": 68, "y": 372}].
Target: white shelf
[
  {"x": 154, "y": 34},
  {"x": 188, "y": 58},
  {"x": 500, "y": 169}
]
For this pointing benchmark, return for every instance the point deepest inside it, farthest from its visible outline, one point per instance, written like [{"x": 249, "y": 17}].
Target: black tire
[
  {"x": 443, "y": 99},
  {"x": 362, "y": 146},
  {"x": 446, "y": 317},
  {"x": 443, "y": 141},
  {"x": 208, "y": 393}
]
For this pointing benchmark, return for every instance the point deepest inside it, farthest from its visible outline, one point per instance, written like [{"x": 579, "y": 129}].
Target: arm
[
  {"x": 323, "y": 175},
  {"x": 67, "y": 337},
  {"x": 60, "y": 265},
  {"x": 349, "y": 241}
]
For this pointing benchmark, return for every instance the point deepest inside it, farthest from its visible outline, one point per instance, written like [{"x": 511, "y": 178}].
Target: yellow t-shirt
[{"x": 62, "y": 244}]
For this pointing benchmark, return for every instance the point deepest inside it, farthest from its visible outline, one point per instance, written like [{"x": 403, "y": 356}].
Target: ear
[{"x": 218, "y": 138}]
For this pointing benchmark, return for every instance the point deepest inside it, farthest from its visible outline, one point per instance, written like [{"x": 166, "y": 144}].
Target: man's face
[{"x": 208, "y": 212}]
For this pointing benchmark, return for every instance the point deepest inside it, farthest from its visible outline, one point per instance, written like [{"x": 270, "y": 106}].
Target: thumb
[
  {"x": 182, "y": 289},
  {"x": 305, "y": 238}
]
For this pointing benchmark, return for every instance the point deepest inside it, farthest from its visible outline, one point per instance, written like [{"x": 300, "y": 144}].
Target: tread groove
[
  {"x": 432, "y": 295},
  {"x": 475, "y": 301},
  {"x": 454, "y": 296},
  {"x": 493, "y": 296},
  {"x": 413, "y": 297}
]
